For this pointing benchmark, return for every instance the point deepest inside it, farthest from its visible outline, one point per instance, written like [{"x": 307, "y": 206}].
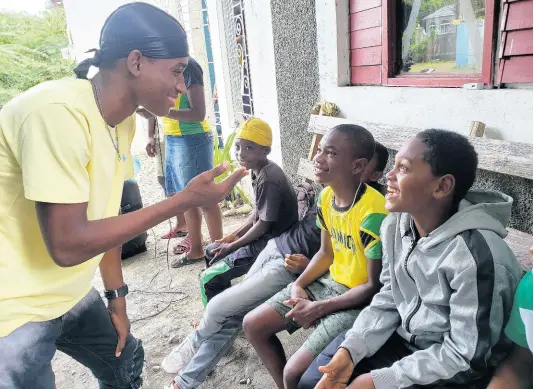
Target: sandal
[
  {"x": 183, "y": 260},
  {"x": 183, "y": 246},
  {"x": 174, "y": 234}
]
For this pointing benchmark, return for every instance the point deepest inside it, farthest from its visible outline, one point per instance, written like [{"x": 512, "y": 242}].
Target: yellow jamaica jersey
[
  {"x": 354, "y": 231},
  {"x": 179, "y": 128}
]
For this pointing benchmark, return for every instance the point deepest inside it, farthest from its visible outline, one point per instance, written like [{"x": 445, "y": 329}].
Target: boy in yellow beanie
[{"x": 275, "y": 211}]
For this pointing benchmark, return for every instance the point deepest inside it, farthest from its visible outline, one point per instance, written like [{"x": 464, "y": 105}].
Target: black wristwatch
[{"x": 113, "y": 294}]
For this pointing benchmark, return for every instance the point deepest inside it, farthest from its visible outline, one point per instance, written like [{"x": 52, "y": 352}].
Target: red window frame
[{"x": 388, "y": 54}]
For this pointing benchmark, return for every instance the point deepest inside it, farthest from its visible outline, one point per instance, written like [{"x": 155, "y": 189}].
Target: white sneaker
[{"x": 179, "y": 357}]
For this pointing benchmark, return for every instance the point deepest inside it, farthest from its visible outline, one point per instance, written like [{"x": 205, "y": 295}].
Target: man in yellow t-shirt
[
  {"x": 64, "y": 156},
  {"x": 344, "y": 274}
]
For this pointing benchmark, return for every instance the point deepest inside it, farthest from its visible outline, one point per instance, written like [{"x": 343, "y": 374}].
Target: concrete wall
[
  {"x": 297, "y": 77},
  {"x": 507, "y": 113},
  {"x": 259, "y": 23}
]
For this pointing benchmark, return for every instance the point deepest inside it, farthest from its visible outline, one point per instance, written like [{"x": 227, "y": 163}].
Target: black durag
[{"x": 137, "y": 26}]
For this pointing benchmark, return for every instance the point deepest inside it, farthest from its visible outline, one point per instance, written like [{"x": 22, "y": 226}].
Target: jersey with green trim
[
  {"x": 354, "y": 232},
  {"x": 519, "y": 327}
]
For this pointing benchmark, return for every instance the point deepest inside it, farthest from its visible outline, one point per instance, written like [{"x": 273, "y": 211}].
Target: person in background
[
  {"x": 375, "y": 169},
  {"x": 448, "y": 280},
  {"x": 516, "y": 371},
  {"x": 64, "y": 157},
  {"x": 189, "y": 152},
  {"x": 343, "y": 275}
]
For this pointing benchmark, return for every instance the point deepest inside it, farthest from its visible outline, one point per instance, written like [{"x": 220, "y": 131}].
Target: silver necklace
[
  {"x": 99, "y": 105},
  {"x": 343, "y": 214}
]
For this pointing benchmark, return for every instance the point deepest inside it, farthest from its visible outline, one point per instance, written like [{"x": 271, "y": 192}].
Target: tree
[{"x": 30, "y": 50}]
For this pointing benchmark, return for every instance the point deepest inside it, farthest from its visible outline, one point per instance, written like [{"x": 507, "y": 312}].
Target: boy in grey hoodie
[{"x": 448, "y": 280}]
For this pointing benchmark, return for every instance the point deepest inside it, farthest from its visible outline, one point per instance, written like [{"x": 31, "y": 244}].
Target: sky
[{"x": 31, "y": 6}]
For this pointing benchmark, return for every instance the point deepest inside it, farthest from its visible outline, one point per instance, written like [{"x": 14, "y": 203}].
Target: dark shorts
[
  {"x": 186, "y": 157},
  {"x": 392, "y": 351}
]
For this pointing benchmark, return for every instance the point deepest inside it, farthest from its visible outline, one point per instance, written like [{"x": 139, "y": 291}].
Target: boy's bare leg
[
  {"x": 213, "y": 216},
  {"x": 296, "y": 367},
  {"x": 261, "y": 326},
  {"x": 180, "y": 223},
  {"x": 193, "y": 218}
]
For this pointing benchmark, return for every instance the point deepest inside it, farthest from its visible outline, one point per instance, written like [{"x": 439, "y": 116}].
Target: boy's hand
[
  {"x": 151, "y": 147},
  {"x": 336, "y": 374},
  {"x": 231, "y": 238},
  {"x": 304, "y": 312},
  {"x": 298, "y": 292},
  {"x": 222, "y": 251},
  {"x": 365, "y": 381},
  {"x": 296, "y": 263},
  {"x": 202, "y": 190},
  {"x": 120, "y": 320}
]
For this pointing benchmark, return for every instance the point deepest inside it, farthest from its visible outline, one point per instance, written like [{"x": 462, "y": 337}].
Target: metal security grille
[{"x": 233, "y": 12}]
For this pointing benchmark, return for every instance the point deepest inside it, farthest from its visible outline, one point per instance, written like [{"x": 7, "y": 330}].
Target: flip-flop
[
  {"x": 174, "y": 234},
  {"x": 182, "y": 247},
  {"x": 184, "y": 260}
]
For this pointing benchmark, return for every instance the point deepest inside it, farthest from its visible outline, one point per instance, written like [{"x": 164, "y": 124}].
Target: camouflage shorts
[{"x": 326, "y": 329}]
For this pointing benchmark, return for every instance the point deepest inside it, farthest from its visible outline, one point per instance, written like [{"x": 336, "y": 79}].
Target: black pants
[
  {"x": 392, "y": 351},
  {"x": 218, "y": 277}
]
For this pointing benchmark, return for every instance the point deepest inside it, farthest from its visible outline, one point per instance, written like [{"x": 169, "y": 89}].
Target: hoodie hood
[{"x": 479, "y": 210}]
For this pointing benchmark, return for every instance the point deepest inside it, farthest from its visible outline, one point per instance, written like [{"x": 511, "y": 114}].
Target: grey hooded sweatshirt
[{"x": 449, "y": 294}]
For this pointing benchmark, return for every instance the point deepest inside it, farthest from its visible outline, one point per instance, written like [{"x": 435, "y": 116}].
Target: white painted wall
[
  {"x": 259, "y": 30},
  {"x": 506, "y": 112}
]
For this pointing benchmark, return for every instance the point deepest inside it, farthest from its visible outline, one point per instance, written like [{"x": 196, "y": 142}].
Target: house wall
[
  {"x": 507, "y": 113},
  {"x": 297, "y": 79}
]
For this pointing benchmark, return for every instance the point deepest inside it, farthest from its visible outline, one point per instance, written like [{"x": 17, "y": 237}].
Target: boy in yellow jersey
[
  {"x": 64, "y": 157},
  {"x": 343, "y": 276}
]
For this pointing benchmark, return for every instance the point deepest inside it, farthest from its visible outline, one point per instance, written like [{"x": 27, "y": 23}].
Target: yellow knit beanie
[{"x": 257, "y": 131}]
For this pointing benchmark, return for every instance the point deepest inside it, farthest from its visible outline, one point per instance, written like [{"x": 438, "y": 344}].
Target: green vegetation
[
  {"x": 30, "y": 50},
  {"x": 225, "y": 155}
]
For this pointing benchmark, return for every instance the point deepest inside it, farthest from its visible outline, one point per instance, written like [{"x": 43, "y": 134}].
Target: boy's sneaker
[{"x": 179, "y": 357}]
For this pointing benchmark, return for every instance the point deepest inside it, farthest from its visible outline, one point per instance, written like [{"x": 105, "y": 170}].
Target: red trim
[
  {"x": 366, "y": 56},
  {"x": 362, "y": 5},
  {"x": 365, "y": 38},
  {"x": 434, "y": 82},
  {"x": 365, "y": 75},
  {"x": 389, "y": 40},
  {"x": 518, "y": 43},
  {"x": 489, "y": 42},
  {"x": 520, "y": 16},
  {"x": 366, "y": 19}
]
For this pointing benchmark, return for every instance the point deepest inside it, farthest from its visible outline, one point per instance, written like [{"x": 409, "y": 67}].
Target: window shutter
[
  {"x": 515, "y": 54},
  {"x": 366, "y": 41}
]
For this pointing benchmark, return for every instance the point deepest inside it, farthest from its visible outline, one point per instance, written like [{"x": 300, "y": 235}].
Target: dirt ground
[{"x": 163, "y": 304}]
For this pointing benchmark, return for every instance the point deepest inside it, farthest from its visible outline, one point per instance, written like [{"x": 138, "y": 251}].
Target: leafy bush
[
  {"x": 30, "y": 50},
  {"x": 418, "y": 51},
  {"x": 225, "y": 155}
]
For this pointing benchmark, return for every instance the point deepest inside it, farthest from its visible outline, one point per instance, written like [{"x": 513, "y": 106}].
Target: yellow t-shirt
[
  {"x": 55, "y": 148},
  {"x": 355, "y": 233}
]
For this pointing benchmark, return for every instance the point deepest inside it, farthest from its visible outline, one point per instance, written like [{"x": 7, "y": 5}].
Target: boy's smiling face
[
  {"x": 249, "y": 154},
  {"x": 335, "y": 160},
  {"x": 411, "y": 184}
]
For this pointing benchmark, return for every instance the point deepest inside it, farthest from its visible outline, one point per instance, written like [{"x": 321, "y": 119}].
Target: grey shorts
[{"x": 327, "y": 328}]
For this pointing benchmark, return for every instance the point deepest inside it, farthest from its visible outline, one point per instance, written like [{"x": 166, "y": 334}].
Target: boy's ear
[
  {"x": 267, "y": 150},
  {"x": 445, "y": 187},
  {"x": 359, "y": 165}
]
